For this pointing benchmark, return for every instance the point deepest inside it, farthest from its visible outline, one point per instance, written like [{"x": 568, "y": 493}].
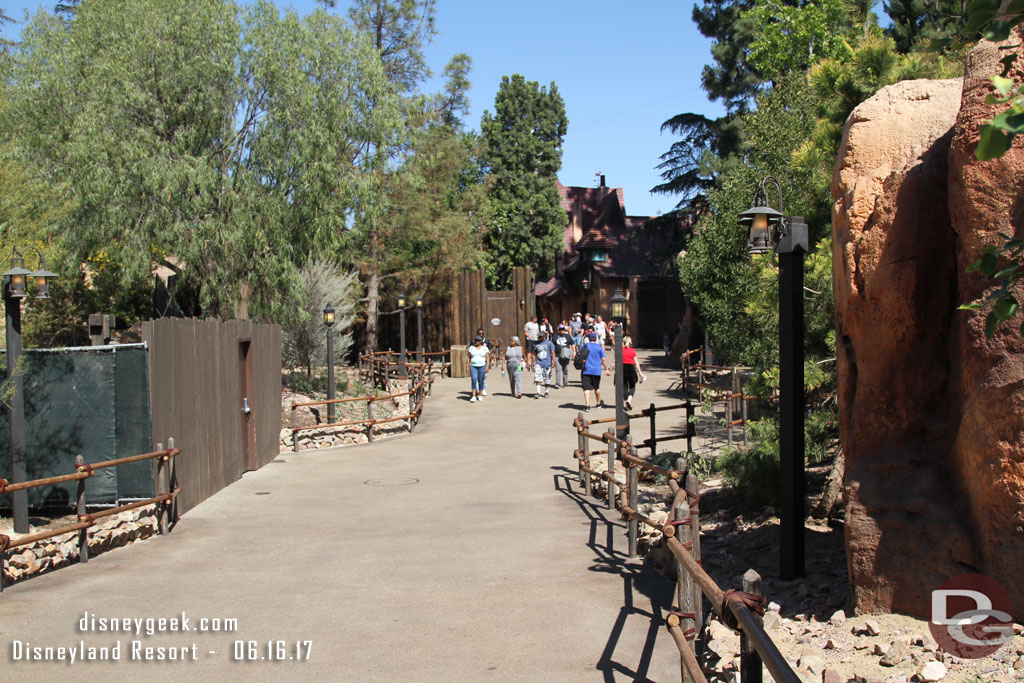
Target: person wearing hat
[
  {"x": 545, "y": 327},
  {"x": 514, "y": 361},
  {"x": 565, "y": 351},
  {"x": 543, "y": 359},
  {"x": 590, "y": 376},
  {"x": 576, "y": 324}
]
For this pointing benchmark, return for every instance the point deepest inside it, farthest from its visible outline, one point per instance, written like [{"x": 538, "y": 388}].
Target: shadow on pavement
[{"x": 638, "y": 580}]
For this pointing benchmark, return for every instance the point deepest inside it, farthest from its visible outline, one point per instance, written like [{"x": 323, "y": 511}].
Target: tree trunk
[
  {"x": 831, "y": 502},
  {"x": 372, "y": 304}
]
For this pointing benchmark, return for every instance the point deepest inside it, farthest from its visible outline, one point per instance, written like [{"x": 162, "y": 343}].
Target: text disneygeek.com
[{"x": 134, "y": 648}]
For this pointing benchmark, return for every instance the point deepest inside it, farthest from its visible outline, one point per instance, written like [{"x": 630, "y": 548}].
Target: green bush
[
  {"x": 300, "y": 383},
  {"x": 755, "y": 472}
]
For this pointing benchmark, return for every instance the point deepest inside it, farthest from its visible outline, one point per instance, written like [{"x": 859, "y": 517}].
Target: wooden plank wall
[
  {"x": 470, "y": 308},
  {"x": 195, "y": 394}
]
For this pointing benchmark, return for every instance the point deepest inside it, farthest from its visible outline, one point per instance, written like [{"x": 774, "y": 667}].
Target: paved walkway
[{"x": 463, "y": 552}]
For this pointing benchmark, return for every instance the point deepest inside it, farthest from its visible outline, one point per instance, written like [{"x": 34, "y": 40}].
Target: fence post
[
  {"x": 611, "y": 470},
  {"x": 700, "y": 382},
  {"x": 698, "y": 599},
  {"x": 684, "y": 582},
  {"x": 295, "y": 434},
  {"x": 581, "y": 444},
  {"x": 83, "y": 534},
  {"x": 161, "y": 487},
  {"x": 750, "y": 660},
  {"x": 633, "y": 479},
  {"x": 172, "y": 483},
  {"x": 652, "y": 410},
  {"x": 691, "y": 428},
  {"x": 728, "y": 421},
  {"x": 369, "y": 416},
  {"x": 743, "y": 413}
]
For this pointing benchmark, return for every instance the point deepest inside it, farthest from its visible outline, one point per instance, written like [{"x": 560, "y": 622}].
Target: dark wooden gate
[{"x": 473, "y": 306}]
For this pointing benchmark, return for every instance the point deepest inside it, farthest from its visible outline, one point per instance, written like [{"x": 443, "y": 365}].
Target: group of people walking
[{"x": 549, "y": 352}]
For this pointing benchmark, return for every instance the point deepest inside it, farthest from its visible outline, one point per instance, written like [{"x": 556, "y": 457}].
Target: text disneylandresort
[{"x": 133, "y": 642}]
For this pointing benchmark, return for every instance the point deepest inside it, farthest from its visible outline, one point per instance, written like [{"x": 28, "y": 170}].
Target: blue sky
[{"x": 622, "y": 71}]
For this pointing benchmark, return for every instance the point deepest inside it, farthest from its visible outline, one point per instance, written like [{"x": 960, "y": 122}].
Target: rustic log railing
[
  {"x": 420, "y": 386},
  {"x": 735, "y": 400},
  {"x": 381, "y": 367},
  {"x": 165, "y": 484},
  {"x": 739, "y": 610},
  {"x": 651, "y": 413}
]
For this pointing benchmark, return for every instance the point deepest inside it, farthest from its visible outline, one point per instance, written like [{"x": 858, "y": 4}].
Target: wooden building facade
[{"x": 216, "y": 388}]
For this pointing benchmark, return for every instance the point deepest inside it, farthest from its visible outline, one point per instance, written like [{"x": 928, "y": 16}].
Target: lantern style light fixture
[
  {"x": 618, "y": 307},
  {"x": 769, "y": 229},
  {"x": 401, "y": 300},
  {"x": 522, "y": 302},
  {"x": 586, "y": 285},
  {"x": 329, "y": 315},
  {"x": 16, "y": 278},
  {"x": 763, "y": 223},
  {"x": 419, "y": 302}
]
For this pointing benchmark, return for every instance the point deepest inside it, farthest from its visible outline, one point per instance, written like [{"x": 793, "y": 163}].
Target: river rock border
[{"x": 52, "y": 553}]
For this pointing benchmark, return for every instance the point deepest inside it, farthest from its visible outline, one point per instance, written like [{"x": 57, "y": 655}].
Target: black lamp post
[
  {"x": 329, "y": 323},
  {"x": 619, "y": 317},
  {"x": 419, "y": 329},
  {"x": 401, "y": 333},
  {"x": 788, "y": 236},
  {"x": 14, "y": 290}
]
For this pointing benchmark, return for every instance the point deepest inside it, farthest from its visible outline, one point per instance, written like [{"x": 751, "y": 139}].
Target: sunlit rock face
[
  {"x": 894, "y": 269},
  {"x": 931, "y": 413},
  {"x": 986, "y": 198}
]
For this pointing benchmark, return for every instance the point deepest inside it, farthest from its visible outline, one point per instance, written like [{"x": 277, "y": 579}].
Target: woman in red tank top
[{"x": 631, "y": 373}]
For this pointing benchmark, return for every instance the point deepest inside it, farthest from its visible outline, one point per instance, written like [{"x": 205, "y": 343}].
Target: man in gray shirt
[{"x": 531, "y": 329}]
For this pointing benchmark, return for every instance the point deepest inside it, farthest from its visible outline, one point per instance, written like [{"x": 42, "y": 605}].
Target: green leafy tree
[
  {"x": 729, "y": 78},
  {"x": 399, "y": 29},
  {"x": 916, "y": 23},
  {"x": 229, "y": 151},
  {"x": 522, "y": 155}
]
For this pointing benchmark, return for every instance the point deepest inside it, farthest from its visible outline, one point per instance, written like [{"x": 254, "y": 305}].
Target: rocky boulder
[
  {"x": 930, "y": 411},
  {"x": 895, "y": 286},
  {"x": 986, "y": 198}
]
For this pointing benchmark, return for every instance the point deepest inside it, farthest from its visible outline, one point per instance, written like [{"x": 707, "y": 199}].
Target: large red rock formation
[
  {"x": 986, "y": 199},
  {"x": 930, "y": 412},
  {"x": 894, "y": 279}
]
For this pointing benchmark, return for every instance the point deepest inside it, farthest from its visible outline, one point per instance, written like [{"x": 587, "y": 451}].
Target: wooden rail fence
[
  {"x": 382, "y": 367},
  {"x": 739, "y": 610},
  {"x": 420, "y": 387},
  {"x": 165, "y": 484},
  {"x": 735, "y": 399}
]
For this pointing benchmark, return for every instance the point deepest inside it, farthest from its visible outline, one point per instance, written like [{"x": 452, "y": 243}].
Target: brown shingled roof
[{"x": 607, "y": 227}]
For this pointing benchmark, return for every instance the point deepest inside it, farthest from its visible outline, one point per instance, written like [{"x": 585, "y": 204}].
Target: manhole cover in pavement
[{"x": 391, "y": 482}]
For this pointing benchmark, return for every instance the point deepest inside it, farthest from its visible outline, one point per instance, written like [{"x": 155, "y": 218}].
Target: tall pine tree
[{"x": 522, "y": 154}]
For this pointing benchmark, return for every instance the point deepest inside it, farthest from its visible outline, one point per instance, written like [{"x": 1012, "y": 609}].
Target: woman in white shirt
[{"x": 479, "y": 359}]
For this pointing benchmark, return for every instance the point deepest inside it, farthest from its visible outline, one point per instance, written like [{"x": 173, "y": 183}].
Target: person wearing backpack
[
  {"x": 566, "y": 349},
  {"x": 590, "y": 360}
]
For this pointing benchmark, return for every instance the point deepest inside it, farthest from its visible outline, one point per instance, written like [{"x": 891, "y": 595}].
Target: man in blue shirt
[{"x": 591, "y": 374}]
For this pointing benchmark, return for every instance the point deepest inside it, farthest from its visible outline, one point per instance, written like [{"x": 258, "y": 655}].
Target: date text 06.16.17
[{"x": 272, "y": 650}]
